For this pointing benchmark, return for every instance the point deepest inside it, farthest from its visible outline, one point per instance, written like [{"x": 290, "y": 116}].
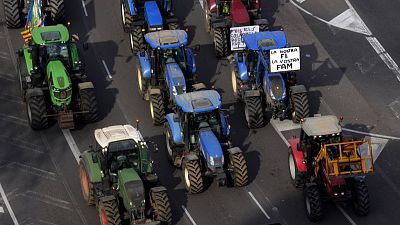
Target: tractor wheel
[
  {"x": 86, "y": 186},
  {"x": 239, "y": 172},
  {"x": 57, "y": 11},
  {"x": 263, "y": 27},
  {"x": 207, "y": 24},
  {"x": 294, "y": 172},
  {"x": 162, "y": 207},
  {"x": 141, "y": 83},
  {"x": 313, "y": 203},
  {"x": 89, "y": 103},
  {"x": 13, "y": 13},
  {"x": 157, "y": 109},
  {"x": 109, "y": 213},
  {"x": 136, "y": 39},
  {"x": 173, "y": 26},
  {"x": 37, "y": 112},
  {"x": 192, "y": 177},
  {"x": 254, "y": 112},
  {"x": 301, "y": 108},
  {"x": 126, "y": 17},
  {"x": 220, "y": 42},
  {"x": 235, "y": 87},
  {"x": 361, "y": 198},
  {"x": 169, "y": 146}
]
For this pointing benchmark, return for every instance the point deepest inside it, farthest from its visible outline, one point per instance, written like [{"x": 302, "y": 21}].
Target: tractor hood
[
  {"x": 131, "y": 188},
  {"x": 56, "y": 70},
  {"x": 211, "y": 148},
  {"x": 175, "y": 78}
]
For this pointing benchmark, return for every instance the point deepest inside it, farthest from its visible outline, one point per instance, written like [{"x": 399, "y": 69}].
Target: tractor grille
[
  {"x": 135, "y": 191},
  {"x": 217, "y": 161},
  {"x": 277, "y": 86}
]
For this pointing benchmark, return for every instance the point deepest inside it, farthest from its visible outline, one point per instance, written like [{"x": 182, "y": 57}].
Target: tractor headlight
[
  {"x": 174, "y": 92},
  {"x": 211, "y": 160},
  {"x": 272, "y": 94}
]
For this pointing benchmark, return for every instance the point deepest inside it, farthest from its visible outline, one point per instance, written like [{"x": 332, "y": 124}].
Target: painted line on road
[
  {"x": 279, "y": 133},
  {"x": 300, "y": 1},
  {"x": 1, "y": 210},
  {"x": 371, "y": 134},
  {"x": 351, "y": 221},
  {"x": 259, "y": 205},
  {"x": 72, "y": 144},
  {"x": 7, "y": 203},
  {"x": 384, "y": 55},
  {"x": 188, "y": 215},
  {"x": 84, "y": 8},
  {"x": 107, "y": 70}
]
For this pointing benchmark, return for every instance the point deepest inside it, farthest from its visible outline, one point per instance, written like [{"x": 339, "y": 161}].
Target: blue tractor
[
  {"x": 198, "y": 141},
  {"x": 166, "y": 69},
  {"x": 142, "y": 16},
  {"x": 263, "y": 91}
]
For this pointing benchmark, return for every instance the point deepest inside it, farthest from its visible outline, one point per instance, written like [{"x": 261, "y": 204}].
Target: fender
[
  {"x": 252, "y": 93},
  {"x": 93, "y": 168},
  {"x": 152, "y": 14},
  {"x": 158, "y": 189},
  {"x": 191, "y": 62},
  {"x": 191, "y": 156},
  {"x": 297, "y": 89},
  {"x": 242, "y": 67},
  {"x": 297, "y": 154},
  {"x": 210, "y": 147},
  {"x": 175, "y": 128},
  {"x": 145, "y": 67},
  {"x": 224, "y": 123},
  {"x": 131, "y": 7},
  {"x": 234, "y": 150},
  {"x": 85, "y": 85},
  {"x": 34, "y": 92}
]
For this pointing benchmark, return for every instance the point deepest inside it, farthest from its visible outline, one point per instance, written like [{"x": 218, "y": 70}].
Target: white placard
[
  {"x": 284, "y": 59},
  {"x": 236, "y": 36}
]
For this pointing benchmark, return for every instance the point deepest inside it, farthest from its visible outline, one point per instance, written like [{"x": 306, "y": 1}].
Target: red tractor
[
  {"x": 329, "y": 167},
  {"x": 221, "y": 15}
]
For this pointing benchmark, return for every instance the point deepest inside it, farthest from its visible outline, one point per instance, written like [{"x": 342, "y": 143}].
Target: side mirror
[{"x": 85, "y": 46}]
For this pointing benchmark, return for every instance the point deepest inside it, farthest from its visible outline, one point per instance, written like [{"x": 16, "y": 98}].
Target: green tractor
[
  {"x": 54, "y": 83},
  {"x": 117, "y": 176}
]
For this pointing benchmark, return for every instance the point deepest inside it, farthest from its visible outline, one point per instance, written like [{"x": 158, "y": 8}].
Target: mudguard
[
  {"x": 297, "y": 154},
  {"x": 234, "y": 150},
  {"x": 191, "y": 62},
  {"x": 131, "y": 7},
  {"x": 152, "y": 14},
  {"x": 242, "y": 68},
  {"x": 252, "y": 93},
  {"x": 224, "y": 124},
  {"x": 297, "y": 89},
  {"x": 175, "y": 129},
  {"x": 85, "y": 85},
  {"x": 158, "y": 189},
  {"x": 34, "y": 92},
  {"x": 210, "y": 146},
  {"x": 93, "y": 168},
  {"x": 145, "y": 66}
]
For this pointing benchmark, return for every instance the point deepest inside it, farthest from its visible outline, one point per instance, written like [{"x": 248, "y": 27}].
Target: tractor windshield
[
  {"x": 210, "y": 119},
  {"x": 58, "y": 51},
  {"x": 122, "y": 154}
]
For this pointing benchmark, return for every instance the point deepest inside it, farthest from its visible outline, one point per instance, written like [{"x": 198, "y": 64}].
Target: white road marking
[
  {"x": 10, "y": 211},
  {"x": 350, "y": 20},
  {"x": 188, "y": 215},
  {"x": 300, "y": 1},
  {"x": 280, "y": 133},
  {"x": 371, "y": 134},
  {"x": 84, "y": 8},
  {"x": 384, "y": 55},
  {"x": 201, "y": 3},
  {"x": 1, "y": 210},
  {"x": 259, "y": 205},
  {"x": 395, "y": 107},
  {"x": 106, "y": 68},
  {"x": 351, "y": 221},
  {"x": 72, "y": 145}
]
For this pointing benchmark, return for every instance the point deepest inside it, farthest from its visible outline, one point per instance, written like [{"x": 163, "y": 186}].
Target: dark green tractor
[
  {"x": 54, "y": 84},
  {"x": 117, "y": 176}
]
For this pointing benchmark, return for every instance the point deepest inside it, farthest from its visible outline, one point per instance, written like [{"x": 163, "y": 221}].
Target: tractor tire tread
[
  {"x": 220, "y": 42},
  {"x": 13, "y": 13},
  {"x": 301, "y": 107},
  {"x": 128, "y": 19},
  {"x": 138, "y": 39},
  {"x": 112, "y": 212},
  {"x": 255, "y": 112},
  {"x": 195, "y": 176},
  {"x": 162, "y": 207},
  {"x": 89, "y": 103},
  {"x": 158, "y": 109},
  {"x": 90, "y": 198},
  {"x": 314, "y": 197},
  {"x": 57, "y": 11},
  {"x": 38, "y": 109},
  {"x": 361, "y": 198},
  {"x": 241, "y": 177}
]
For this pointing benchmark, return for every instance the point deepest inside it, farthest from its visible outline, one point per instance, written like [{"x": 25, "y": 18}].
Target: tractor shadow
[
  {"x": 169, "y": 176},
  {"x": 268, "y": 10},
  {"x": 183, "y": 8}
]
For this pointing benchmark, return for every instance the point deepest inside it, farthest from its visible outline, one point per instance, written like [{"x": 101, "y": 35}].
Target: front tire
[
  {"x": 109, "y": 213},
  {"x": 37, "y": 112},
  {"x": 141, "y": 83},
  {"x": 162, "y": 207},
  {"x": 239, "y": 172},
  {"x": 235, "y": 87},
  {"x": 361, "y": 198},
  {"x": 301, "y": 108},
  {"x": 294, "y": 172},
  {"x": 192, "y": 177},
  {"x": 126, "y": 17},
  {"x": 313, "y": 203},
  {"x": 57, "y": 11},
  {"x": 254, "y": 112},
  {"x": 13, "y": 13},
  {"x": 136, "y": 39},
  {"x": 157, "y": 109},
  {"x": 89, "y": 103},
  {"x": 221, "y": 42},
  {"x": 86, "y": 186}
]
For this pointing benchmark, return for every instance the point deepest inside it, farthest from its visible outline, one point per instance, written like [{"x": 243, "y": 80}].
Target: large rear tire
[
  {"x": 162, "y": 207},
  {"x": 301, "y": 108},
  {"x": 239, "y": 172},
  {"x": 157, "y": 109},
  {"x": 86, "y": 186},
  {"x": 361, "y": 198},
  {"x": 57, "y": 11},
  {"x": 89, "y": 103},
  {"x": 136, "y": 39},
  {"x": 13, "y": 13},
  {"x": 313, "y": 203},
  {"x": 109, "y": 213},
  {"x": 254, "y": 112},
  {"x": 294, "y": 172},
  {"x": 37, "y": 112},
  {"x": 221, "y": 42},
  {"x": 126, "y": 17},
  {"x": 192, "y": 177}
]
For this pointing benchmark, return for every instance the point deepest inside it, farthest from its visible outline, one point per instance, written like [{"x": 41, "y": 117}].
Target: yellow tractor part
[
  {"x": 27, "y": 35},
  {"x": 345, "y": 158}
]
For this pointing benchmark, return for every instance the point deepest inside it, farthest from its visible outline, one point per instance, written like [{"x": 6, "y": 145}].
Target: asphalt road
[{"x": 345, "y": 76}]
